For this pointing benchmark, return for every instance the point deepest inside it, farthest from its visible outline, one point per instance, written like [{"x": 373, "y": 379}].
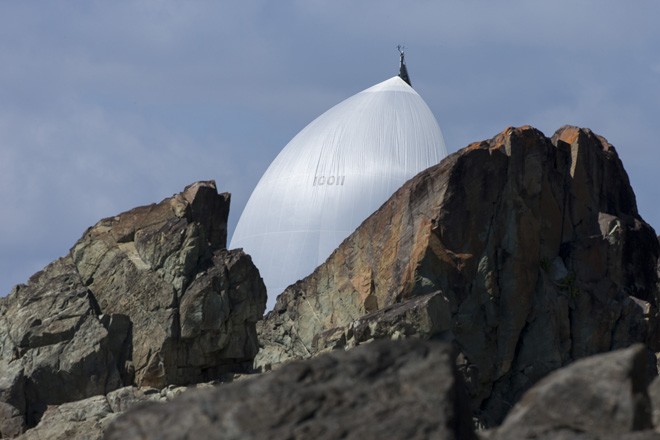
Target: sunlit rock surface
[{"x": 534, "y": 243}]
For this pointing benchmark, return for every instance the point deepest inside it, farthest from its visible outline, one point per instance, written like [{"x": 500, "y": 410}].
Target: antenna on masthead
[{"x": 403, "y": 71}]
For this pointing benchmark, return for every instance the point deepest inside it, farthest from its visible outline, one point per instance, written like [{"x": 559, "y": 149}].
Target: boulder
[
  {"x": 150, "y": 297},
  {"x": 380, "y": 390},
  {"x": 535, "y": 244},
  {"x": 600, "y": 397}
]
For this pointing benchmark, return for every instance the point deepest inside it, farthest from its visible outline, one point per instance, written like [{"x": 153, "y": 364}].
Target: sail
[{"x": 331, "y": 176}]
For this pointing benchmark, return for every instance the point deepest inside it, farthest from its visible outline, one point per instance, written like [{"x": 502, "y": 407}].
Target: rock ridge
[
  {"x": 535, "y": 244},
  {"x": 522, "y": 258}
]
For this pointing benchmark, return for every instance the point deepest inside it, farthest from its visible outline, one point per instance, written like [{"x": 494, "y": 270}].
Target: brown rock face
[
  {"x": 150, "y": 297},
  {"x": 535, "y": 245}
]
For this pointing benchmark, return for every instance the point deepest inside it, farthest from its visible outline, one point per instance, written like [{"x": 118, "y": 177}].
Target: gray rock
[
  {"x": 602, "y": 396},
  {"x": 165, "y": 266},
  {"x": 12, "y": 400},
  {"x": 123, "y": 399},
  {"x": 425, "y": 316},
  {"x": 88, "y": 419},
  {"x": 150, "y": 297},
  {"x": 82, "y": 420},
  {"x": 54, "y": 347},
  {"x": 405, "y": 389}
]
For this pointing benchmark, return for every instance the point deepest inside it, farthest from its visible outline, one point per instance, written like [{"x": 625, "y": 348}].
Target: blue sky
[{"x": 105, "y": 106}]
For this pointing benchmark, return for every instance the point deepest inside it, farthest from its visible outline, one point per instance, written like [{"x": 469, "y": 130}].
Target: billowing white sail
[{"x": 332, "y": 176}]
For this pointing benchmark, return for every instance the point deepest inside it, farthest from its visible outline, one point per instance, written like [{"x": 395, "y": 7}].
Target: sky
[{"x": 105, "y": 106}]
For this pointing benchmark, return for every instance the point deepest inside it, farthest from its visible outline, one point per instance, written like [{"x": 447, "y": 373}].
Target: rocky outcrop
[
  {"x": 600, "y": 397},
  {"x": 150, "y": 297},
  {"x": 382, "y": 390},
  {"x": 56, "y": 346},
  {"x": 527, "y": 253},
  {"x": 339, "y": 395},
  {"x": 536, "y": 248},
  {"x": 89, "y": 418},
  {"x": 421, "y": 317},
  {"x": 403, "y": 389}
]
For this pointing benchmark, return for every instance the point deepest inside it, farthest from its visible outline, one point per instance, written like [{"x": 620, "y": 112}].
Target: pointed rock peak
[
  {"x": 403, "y": 71},
  {"x": 516, "y": 138},
  {"x": 571, "y": 134}
]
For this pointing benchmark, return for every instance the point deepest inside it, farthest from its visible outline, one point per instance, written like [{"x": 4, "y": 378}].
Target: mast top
[{"x": 403, "y": 71}]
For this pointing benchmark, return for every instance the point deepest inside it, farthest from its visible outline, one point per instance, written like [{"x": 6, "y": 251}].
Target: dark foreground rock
[
  {"x": 535, "y": 246},
  {"x": 150, "y": 297},
  {"x": 600, "y": 397},
  {"x": 395, "y": 390}
]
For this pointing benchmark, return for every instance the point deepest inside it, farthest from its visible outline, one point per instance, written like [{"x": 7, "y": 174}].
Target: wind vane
[{"x": 403, "y": 71}]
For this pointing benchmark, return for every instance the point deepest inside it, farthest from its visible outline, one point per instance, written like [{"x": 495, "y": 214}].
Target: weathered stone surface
[
  {"x": 165, "y": 266},
  {"x": 54, "y": 347},
  {"x": 88, "y": 419},
  {"x": 536, "y": 243},
  {"x": 150, "y": 297},
  {"x": 603, "y": 396},
  {"x": 12, "y": 400},
  {"x": 380, "y": 390},
  {"x": 423, "y": 317},
  {"x": 83, "y": 419}
]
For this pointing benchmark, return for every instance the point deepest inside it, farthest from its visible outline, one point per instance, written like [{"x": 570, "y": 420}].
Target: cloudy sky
[{"x": 105, "y": 106}]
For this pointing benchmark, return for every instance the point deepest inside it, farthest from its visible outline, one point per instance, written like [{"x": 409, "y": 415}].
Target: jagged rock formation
[
  {"x": 406, "y": 390},
  {"x": 150, "y": 297},
  {"x": 527, "y": 253},
  {"x": 536, "y": 248}
]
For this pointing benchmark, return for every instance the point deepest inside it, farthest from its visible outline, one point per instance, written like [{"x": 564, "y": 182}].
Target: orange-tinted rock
[{"x": 535, "y": 243}]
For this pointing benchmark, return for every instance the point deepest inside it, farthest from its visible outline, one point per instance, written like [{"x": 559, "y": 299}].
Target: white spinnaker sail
[{"x": 331, "y": 176}]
